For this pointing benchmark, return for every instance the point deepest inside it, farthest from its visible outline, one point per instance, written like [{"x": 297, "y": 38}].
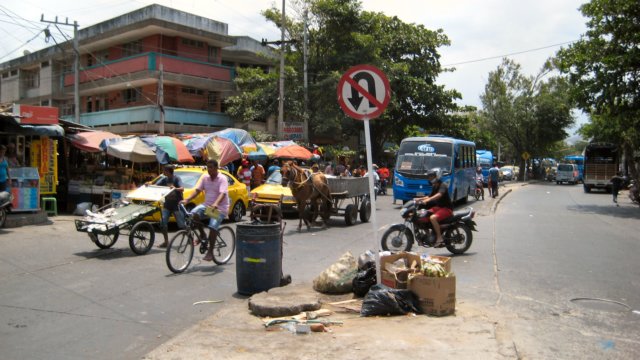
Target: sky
[{"x": 481, "y": 32}]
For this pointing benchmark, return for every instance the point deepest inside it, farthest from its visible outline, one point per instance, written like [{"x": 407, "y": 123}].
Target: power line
[
  {"x": 18, "y": 48},
  {"x": 510, "y": 54}
]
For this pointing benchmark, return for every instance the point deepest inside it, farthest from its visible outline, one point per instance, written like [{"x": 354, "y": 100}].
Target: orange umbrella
[
  {"x": 293, "y": 152},
  {"x": 90, "y": 140}
]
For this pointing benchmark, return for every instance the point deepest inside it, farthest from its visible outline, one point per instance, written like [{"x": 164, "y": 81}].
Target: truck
[{"x": 601, "y": 162}]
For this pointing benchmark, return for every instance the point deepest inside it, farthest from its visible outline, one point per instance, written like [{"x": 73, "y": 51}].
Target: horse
[{"x": 307, "y": 186}]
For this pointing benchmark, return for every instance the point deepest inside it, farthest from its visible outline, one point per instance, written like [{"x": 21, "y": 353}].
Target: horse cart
[
  {"x": 125, "y": 217},
  {"x": 350, "y": 197}
]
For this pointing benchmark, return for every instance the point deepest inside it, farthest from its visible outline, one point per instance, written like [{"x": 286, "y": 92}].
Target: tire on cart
[
  {"x": 365, "y": 209},
  {"x": 141, "y": 237},
  {"x": 351, "y": 214},
  {"x": 104, "y": 241}
]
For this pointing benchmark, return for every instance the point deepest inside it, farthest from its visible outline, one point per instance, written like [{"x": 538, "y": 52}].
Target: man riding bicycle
[{"x": 215, "y": 187}]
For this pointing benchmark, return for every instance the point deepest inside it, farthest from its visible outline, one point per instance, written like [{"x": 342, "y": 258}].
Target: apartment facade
[{"x": 152, "y": 65}]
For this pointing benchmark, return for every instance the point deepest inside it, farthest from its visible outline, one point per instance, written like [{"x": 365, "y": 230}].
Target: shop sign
[
  {"x": 38, "y": 115},
  {"x": 293, "y": 131}
]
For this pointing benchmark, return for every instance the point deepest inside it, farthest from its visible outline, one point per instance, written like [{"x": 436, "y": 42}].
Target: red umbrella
[
  {"x": 293, "y": 152},
  {"x": 90, "y": 140}
]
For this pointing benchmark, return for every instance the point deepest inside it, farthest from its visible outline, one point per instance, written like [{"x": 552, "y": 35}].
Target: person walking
[
  {"x": 244, "y": 174},
  {"x": 216, "y": 196},
  {"x": 171, "y": 201},
  {"x": 257, "y": 174},
  {"x": 5, "y": 178},
  {"x": 494, "y": 176},
  {"x": 616, "y": 185}
]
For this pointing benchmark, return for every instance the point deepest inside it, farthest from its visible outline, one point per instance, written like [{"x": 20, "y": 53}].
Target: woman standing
[{"x": 4, "y": 169}]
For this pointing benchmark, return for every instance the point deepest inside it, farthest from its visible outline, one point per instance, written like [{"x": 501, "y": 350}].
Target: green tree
[
  {"x": 526, "y": 112},
  {"x": 604, "y": 69}
]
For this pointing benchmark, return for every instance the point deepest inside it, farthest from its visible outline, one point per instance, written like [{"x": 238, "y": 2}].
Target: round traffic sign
[{"x": 363, "y": 92}]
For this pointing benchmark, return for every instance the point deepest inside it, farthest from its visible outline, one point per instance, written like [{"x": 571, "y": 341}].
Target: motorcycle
[
  {"x": 382, "y": 187},
  {"x": 5, "y": 205},
  {"x": 634, "y": 193},
  {"x": 456, "y": 230}
]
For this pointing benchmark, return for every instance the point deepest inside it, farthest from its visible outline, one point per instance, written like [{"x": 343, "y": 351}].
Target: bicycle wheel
[
  {"x": 180, "y": 251},
  {"x": 225, "y": 245}
]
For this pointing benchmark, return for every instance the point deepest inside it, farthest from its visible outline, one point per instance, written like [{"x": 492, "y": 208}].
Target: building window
[
  {"x": 44, "y": 64},
  {"x": 213, "y": 54},
  {"x": 14, "y": 72},
  {"x": 132, "y": 48},
  {"x": 44, "y": 103},
  {"x": 131, "y": 95},
  {"x": 193, "y": 43},
  {"x": 5, "y": 75},
  {"x": 192, "y": 91},
  {"x": 89, "y": 104},
  {"x": 31, "y": 78}
]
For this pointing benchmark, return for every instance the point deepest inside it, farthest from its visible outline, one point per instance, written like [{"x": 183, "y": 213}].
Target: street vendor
[{"x": 171, "y": 201}]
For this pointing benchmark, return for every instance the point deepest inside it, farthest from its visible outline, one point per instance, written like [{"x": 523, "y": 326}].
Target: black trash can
[{"x": 258, "y": 257}]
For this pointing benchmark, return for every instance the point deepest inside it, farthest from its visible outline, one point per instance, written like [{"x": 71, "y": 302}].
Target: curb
[{"x": 15, "y": 220}]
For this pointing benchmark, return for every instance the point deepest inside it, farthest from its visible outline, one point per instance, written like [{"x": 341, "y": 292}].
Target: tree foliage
[
  {"x": 604, "y": 69},
  {"x": 528, "y": 113}
]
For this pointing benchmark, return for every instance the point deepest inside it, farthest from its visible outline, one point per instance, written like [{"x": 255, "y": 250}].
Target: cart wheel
[
  {"x": 365, "y": 210},
  {"x": 350, "y": 214},
  {"x": 141, "y": 237},
  {"x": 104, "y": 241},
  {"x": 3, "y": 217}
]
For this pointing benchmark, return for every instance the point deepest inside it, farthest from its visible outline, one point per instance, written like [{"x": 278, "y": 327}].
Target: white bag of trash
[
  {"x": 337, "y": 278},
  {"x": 81, "y": 209}
]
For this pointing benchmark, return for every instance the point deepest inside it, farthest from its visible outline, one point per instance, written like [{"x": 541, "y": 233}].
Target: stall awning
[
  {"x": 91, "y": 141},
  {"x": 9, "y": 124}
]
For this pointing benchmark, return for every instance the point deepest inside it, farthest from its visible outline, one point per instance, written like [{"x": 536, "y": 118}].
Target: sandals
[{"x": 207, "y": 258}]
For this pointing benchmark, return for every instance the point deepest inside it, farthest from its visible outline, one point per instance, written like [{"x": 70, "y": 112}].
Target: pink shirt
[{"x": 214, "y": 187}]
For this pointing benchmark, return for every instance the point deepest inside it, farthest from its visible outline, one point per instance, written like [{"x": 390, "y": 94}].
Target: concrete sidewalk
[{"x": 234, "y": 333}]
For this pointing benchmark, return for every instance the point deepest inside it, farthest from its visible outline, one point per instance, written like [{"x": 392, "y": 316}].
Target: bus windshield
[{"x": 417, "y": 157}]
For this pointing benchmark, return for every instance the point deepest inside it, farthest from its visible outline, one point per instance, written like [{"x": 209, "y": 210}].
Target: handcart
[
  {"x": 349, "y": 196},
  {"x": 125, "y": 217}
]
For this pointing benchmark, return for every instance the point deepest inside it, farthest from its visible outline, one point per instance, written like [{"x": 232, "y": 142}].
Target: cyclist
[{"x": 216, "y": 196}]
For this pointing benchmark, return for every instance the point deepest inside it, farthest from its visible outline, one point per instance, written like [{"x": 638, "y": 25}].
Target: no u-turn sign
[{"x": 363, "y": 92}]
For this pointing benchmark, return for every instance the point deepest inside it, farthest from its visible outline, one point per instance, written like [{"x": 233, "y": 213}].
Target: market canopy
[
  {"x": 132, "y": 149},
  {"x": 293, "y": 152},
  {"x": 223, "y": 150},
  {"x": 240, "y": 137},
  {"x": 168, "y": 149},
  {"x": 91, "y": 140}
]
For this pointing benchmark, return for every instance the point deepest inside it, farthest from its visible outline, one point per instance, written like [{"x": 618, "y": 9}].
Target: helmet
[{"x": 435, "y": 173}]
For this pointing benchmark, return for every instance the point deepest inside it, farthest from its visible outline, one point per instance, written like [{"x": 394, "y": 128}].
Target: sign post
[{"x": 363, "y": 94}]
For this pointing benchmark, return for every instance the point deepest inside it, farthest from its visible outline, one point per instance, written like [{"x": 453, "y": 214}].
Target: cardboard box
[
  {"x": 398, "y": 280},
  {"x": 442, "y": 260},
  {"x": 437, "y": 295}
]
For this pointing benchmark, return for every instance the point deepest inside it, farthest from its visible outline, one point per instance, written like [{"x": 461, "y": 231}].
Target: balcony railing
[
  {"x": 151, "y": 114},
  {"x": 151, "y": 62}
]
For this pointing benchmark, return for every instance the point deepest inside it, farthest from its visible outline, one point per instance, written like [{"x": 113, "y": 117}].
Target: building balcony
[
  {"x": 146, "y": 66},
  {"x": 151, "y": 115}
]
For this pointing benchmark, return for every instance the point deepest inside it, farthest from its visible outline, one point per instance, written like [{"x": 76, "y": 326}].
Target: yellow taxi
[
  {"x": 271, "y": 191},
  {"x": 190, "y": 175}
]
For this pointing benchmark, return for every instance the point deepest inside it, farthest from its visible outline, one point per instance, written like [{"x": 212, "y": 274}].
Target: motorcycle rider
[
  {"x": 439, "y": 202},
  {"x": 480, "y": 180}
]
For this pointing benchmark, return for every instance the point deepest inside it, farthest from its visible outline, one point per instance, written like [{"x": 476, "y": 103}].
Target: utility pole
[
  {"x": 161, "y": 99},
  {"x": 305, "y": 80},
  {"x": 76, "y": 63},
  {"x": 281, "y": 97}
]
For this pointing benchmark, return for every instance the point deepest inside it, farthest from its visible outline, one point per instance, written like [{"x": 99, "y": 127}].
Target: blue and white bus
[
  {"x": 485, "y": 161},
  {"x": 455, "y": 158}
]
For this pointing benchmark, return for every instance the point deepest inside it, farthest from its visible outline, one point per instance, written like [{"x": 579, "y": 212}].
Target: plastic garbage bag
[
  {"x": 364, "y": 280},
  {"x": 383, "y": 300},
  {"x": 338, "y": 278},
  {"x": 81, "y": 209}
]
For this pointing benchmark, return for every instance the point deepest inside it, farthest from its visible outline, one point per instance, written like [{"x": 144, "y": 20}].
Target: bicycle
[{"x": 181, "y": 247}]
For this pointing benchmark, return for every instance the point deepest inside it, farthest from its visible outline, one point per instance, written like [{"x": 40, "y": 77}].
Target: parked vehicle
[
  {"x": 272, "y": 191},
  {"x": 456, "y": 230},
  {"x": 5, "y": 206},
  {"x": 567, "y": 173},
  {"x": 418, "y": 155},
  {"x": 507, "y": 173},
  {"x": 600, "y": 165},
  {"x": 579, "y": 161}
]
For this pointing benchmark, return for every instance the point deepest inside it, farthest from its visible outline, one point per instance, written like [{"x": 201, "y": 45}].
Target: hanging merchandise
[{"x": 44, "y": 157}]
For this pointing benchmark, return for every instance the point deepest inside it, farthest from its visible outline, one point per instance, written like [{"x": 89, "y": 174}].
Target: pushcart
[
  {"x": 125, "y": 217},
  {"x": 349, "y": 197}
]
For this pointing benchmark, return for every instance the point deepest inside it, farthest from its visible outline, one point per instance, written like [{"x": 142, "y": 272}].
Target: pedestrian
[
  {"x": 244, "y": 174},
  {"x": 616, "y": 185},
  {"x": 171, "y": 201},
  {"x": 275, "y": 166},
  {"x": 328, "y": 170},
  {"x": 5, "y": 178},
  {"x": 494, "y": 176},
  {"x": 257, "y": 174},
  {"x": 216, "y": 188}
]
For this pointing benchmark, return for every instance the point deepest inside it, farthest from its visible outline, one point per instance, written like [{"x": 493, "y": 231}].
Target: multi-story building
[{"x": 135, "y": 66}]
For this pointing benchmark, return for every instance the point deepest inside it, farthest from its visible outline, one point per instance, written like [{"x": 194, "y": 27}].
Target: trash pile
[{"x": 410, "y": 284}]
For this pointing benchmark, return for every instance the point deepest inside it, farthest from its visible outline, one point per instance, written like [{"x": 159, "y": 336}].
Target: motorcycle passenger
[
  {"x": 442, "y": 206},
  {"x": 480, "y": 180}
]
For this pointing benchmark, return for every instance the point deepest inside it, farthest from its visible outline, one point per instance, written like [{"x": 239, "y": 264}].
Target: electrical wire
[{"x": 509, "y": 54}]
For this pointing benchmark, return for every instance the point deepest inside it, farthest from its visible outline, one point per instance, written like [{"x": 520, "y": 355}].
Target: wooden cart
[{"x": 349, "y": 196}]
